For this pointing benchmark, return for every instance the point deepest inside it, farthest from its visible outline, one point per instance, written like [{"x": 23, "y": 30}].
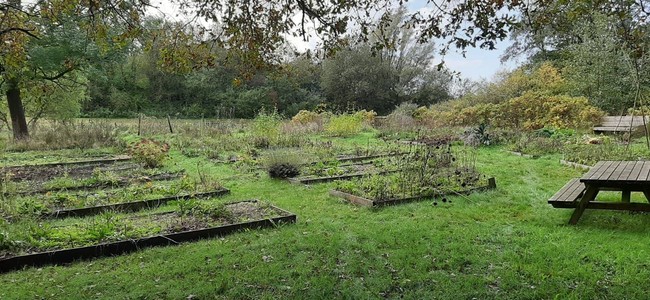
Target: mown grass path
[{"x": 507, "y": 243}]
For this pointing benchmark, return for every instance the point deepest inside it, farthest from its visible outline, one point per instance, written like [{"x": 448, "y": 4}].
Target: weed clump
[
  {"x": 283, "y": 170},
  {"x": 283, "y": 163}
]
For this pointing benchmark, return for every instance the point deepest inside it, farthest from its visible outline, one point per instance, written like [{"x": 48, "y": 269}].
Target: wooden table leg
[
  {"x": 626, "y": 196},
  {"x": 590, "y": 195},
  {"x": 647, "y": 194}
]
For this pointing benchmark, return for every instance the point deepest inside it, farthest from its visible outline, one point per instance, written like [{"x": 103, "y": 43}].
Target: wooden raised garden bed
[
  {"x": 79, "y": 162},
  {"x": 130, "y": 206},
  {"x": 314, "y": 180},
  {"x": 365, "y": 157},
  {"x": 374, "y": 203},
  {"x": 62, "y": 256},
  {"x": 121, "y": 183},
  {"x": 523, "y": 154},
  {"x": 40, "y": 174},
  {"x": 575, "y": 165}
]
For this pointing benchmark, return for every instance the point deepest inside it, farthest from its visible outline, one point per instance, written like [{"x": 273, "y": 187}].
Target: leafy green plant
[
  {"x": 6, "y": 243},
  {"x": 265, "y": 128},
  {"x": 102, "y": 227},
  {"x": 478, "y": 136},
  {"x": 105, "y": 177},
  {"x": 211, "y": 211},
  {"x": 186, "y": 206}
]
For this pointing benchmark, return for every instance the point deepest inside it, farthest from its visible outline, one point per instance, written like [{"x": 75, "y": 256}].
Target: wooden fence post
[
  {"x": 139, "y": 124},
  {"x": 169, "y": 122}
]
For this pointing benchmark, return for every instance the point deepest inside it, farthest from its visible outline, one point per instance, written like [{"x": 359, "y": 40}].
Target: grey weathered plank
[
  {"x": 645, "y": 172},
  {"x": 641, "y": 174},
  {"x": 634, "y": 174},
  {"x": 629, "y": 166},
  {"x": 569, "y": 192},
  {"x": 597, "y": 169},
  {"x": 604, "y": 171},
  {"x": 558, "y": 194},
  {"x": 617, "y": 172}
]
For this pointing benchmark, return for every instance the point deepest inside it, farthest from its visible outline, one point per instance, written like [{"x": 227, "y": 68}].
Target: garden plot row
[
  {"x": 369, "y": 201},
  {"x": 430, "y": 168},
  {"x": 113, "y": 234},
  {"x": 344, "y": 170},
  {"x": 93, "y": 217},
  {"x": 44, "y": 172},
  {"x": 60, "y": 157},
  {"x": 43, "y": 180}
]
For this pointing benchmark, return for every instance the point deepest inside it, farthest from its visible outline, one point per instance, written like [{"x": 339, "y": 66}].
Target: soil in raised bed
[
  {"x": 42, "y": 174},
  {"x": 55, "y": 156},
  {"x": 110, "y": 180}
]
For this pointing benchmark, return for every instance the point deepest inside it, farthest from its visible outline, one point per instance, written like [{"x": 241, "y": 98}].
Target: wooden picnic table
[{"x": 623, "y": 176}]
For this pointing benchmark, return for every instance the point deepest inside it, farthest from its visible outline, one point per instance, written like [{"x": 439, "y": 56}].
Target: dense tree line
[
  {"x": 355, "y": 77},
  {"x": 104, "y": 58}
]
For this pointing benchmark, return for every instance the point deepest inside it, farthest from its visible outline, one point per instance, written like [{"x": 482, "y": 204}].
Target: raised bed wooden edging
[
  {"x": 303, "y": 180},
  {"x": 71, "y": 163},
  {"x": 361, "y": 158},
  {"x": 121, "y": 247},
  {"x": 129, "y": 206},
  {"x": 575, "y": 165},
  {"x": 375, "y": 203},
  {"x": 523, "y": 154}
]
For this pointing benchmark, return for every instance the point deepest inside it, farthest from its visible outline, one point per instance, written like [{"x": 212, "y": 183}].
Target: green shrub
[{"x": 267, "y": 124}]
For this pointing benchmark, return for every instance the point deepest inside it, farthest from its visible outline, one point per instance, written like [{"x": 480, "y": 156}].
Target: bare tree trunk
[
  {"x": 17, "y": 111},
  {"x": 14, "y": 102}
]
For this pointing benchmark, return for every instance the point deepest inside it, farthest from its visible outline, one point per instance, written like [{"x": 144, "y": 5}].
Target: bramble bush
[{"x": 149, "y": 152}]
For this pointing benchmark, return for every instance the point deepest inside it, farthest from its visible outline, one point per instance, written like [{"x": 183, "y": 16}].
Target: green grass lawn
[{"x": 507, "y": 243}]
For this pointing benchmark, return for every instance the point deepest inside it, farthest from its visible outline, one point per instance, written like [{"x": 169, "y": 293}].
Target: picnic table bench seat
[{"x": 568, "y": 195}]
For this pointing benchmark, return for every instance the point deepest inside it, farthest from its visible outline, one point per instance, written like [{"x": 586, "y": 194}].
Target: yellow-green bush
[
  {"x": 344, "y": 125},
  {"x": 525, "y": 99},
  {"x": 366, "y": 116},
  {"x": 305, "y": 117},
  {"x": 533, "y": 110}
]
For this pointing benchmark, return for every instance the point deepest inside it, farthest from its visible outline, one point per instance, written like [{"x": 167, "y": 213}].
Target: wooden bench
[
  {"x": 568, "y": 195},
  {"x": 621, "y": 124}
]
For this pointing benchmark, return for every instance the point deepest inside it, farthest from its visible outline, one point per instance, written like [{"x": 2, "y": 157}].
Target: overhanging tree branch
[
  {"x": 23, "y": 30},
  {"x": 57, "y": 76}
]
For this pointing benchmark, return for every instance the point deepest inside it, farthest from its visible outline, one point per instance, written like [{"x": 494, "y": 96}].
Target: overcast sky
[{"x": 476, "y": 64}]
